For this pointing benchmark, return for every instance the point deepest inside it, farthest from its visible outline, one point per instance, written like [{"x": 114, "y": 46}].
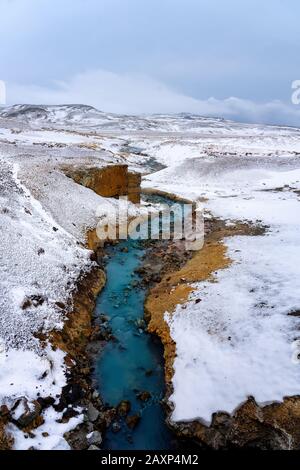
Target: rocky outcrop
[
  {"x": 74, "y": 337},
  {"x": 134, "y": 187},
  {"x": 27, "y": 414},
  {"x": 271, "y": 427},
  {"x": 109, "y": 181}
]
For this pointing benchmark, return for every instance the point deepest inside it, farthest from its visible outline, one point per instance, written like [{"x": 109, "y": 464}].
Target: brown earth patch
[
  {"x": 74, "y": 336},
  {"x": 92, "y": 240},
  {"x": 6, "y": 440}
]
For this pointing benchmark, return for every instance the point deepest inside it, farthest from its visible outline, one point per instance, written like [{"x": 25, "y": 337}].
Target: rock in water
[
  {"x": 94, "y": 438},
  {"x": 133, "y": 421},
  {"x": 144, "y": 396},
  {"x": 116, "y": 427},
  {"x": 123, "y": 408}
]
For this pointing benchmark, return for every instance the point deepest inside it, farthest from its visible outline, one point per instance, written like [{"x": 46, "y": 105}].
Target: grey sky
[{"x": 247, "y": 49}]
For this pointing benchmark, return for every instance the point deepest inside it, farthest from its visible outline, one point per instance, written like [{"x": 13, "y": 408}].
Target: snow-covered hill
[{"x": 87, "y": 117}]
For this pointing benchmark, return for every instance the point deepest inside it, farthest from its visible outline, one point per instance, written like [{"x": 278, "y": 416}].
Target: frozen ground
[{"x": 244, "y": 171}]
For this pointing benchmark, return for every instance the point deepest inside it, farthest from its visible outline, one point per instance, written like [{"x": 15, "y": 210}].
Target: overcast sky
[{"x": 235, "y": 58}]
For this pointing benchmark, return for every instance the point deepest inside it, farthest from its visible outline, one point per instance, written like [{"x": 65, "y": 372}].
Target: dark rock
[
  {"x": 95, "y": 394},
  {"x": 124, "y": 408},
  {"x": 60, "y": 305},
  {"x": 116, "y": 427},
  {"x": 104, "y": 318},
  {"x": 77, "y": 438},
  {"x": 93, "y": 256},
  {"x": 141, "y": 324},
  {"x": 96, "y": 334},
  {"x": 68, "y": 414},
  {"x": 71, "y": 394},
  {"x": 89, "y": 427},
  {"x": 144, "y": 396},
  {"x": 92, "y": 413},
  {"x": 94, "y": 347},
  {"x": 133, "y": 420},
  {"x": 271, "y": 427},
  {"x": 24, "y": 412},
  {"x": 46, "y": 401},
  {"x": 108, "y": 416},
  {"x": 32, "y": 300},
  {"x": 294, "y": 313},
  {"x": 26, "y": 303},
  {"x": 4, "y": 412}
]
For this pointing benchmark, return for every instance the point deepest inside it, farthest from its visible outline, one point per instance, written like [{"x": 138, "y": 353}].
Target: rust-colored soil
[
  {"x": 6, "y": 440},
  {"x": 77, "y": 329}
]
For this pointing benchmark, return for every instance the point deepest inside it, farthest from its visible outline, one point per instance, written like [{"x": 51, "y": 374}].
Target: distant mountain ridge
[{"x": 81, "y": 116}]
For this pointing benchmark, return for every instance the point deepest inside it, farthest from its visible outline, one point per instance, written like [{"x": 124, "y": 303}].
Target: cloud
[{"x": 133, "y": 94}]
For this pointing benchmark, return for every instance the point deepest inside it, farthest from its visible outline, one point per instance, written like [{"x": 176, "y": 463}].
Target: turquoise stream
[{"x": 134, "y": 362}]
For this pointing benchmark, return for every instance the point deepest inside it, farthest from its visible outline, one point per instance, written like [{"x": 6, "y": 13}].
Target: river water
[{"x": 134, "y": 362}]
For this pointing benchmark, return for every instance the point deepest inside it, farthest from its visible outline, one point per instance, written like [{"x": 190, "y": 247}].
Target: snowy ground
[{"x": 245, "y": 171}]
